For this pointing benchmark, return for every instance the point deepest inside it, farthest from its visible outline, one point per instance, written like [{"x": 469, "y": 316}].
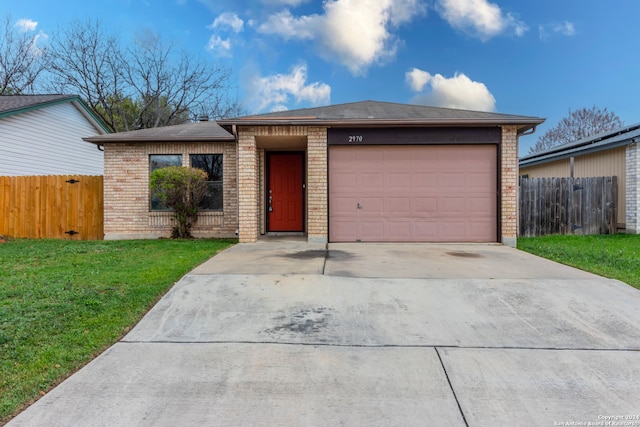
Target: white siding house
[{"x": 42, "y": 135}]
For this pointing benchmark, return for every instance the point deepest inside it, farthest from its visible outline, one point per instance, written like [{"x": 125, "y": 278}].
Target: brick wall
[
  {"x": 248, "y": 182},
  {"x": 509, "y": 185},
  {"x": 633, "y": 188},
  {"x": 126, "y": 191},
  {"x": 251, "y": 168},
  {"x": 317, "y": 190}
]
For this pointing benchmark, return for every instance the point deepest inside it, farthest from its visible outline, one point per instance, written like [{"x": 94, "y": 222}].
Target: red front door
[{"x": 285, "y": 192}]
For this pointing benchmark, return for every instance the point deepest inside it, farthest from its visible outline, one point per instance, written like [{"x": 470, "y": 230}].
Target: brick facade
[
  {"x": 509, "y": 186},
  {"x": 251, "y": 167},
  {"x": 127, "y": 213},
  {"x": 252, "y": 170},
  {"x": 317, "y": 187},
  {"x": 633, "y": 188},
  {"x": 248, "y": 180}
]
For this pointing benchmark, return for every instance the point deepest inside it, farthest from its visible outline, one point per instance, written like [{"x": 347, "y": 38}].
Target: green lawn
[
  {"x": 616, "y": 256},
  {"x": 64, "y": 302}
]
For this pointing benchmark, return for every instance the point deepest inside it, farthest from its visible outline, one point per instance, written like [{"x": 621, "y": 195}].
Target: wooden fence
[
  {"x": 69, "y": 207},
  {"x": 568, "y": 206}
]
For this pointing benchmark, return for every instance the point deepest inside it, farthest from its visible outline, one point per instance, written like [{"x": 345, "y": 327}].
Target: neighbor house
[
  {"x": 357, "y": 172},
  {"x": 611, "y": 153},
  {"x": 42, "y": 135}
]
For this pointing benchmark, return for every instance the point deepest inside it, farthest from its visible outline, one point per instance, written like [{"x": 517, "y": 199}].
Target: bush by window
[
  {"x": 212, "y": 165},
  {"x": 159, "y": 161}
]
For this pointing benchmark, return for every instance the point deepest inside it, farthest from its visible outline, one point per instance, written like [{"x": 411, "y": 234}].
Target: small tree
[{"x": 181, "y": 189}]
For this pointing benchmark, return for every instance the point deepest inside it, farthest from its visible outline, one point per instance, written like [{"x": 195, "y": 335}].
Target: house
[
  {"x": 42, "y": 135},
  {"x": 611, "y": 153},
  {"x": 358, "y": 172}
]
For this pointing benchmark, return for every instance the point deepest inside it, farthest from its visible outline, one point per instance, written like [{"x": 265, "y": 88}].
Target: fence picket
[
  {"x": 567, "y": 206},
  {"x": 49, "y": 206}
]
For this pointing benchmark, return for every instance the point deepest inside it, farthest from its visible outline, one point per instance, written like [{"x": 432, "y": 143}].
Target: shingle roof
[
  {"x": 384, "y": 113},
  {"x": 624, "y": 135},
  {"x": 15, "y": 103},
  {"x": 198, "y": 131}
]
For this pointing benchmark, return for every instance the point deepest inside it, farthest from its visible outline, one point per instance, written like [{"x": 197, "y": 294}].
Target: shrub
[{"x": 180, "y": 189}]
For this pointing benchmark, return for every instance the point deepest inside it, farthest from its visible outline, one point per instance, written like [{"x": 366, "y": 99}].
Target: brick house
[{"x": 365, "y": 171}]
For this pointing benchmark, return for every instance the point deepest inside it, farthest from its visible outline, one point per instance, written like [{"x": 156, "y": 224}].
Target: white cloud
[
  {"x": 354, "y": 33},
  {"x": 220, "y": 46},
  {"x": 228, "y": 20},
  {"x": 26, "y": 25},
  {"x": 417, "y": 79},
  {"x": 458, "y": 91},
  {"x": 564, "y": 28},
  {"x": 288, "y": 26},
  {"x": 273, "y": 93},
  {"x": 292, "y": 3},
  {"x": 479, "y": 18}
]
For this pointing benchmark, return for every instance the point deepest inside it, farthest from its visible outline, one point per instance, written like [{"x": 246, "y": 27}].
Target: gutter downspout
[{"x": 529, "y": 132}]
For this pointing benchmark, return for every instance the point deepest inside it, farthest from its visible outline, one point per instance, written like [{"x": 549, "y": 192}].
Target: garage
[
  {"x": 413, "y": 193},
  {"x": 383, "y": 172}
]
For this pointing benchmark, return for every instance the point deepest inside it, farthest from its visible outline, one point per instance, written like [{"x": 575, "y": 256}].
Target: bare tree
[
  {"x": 145, "y": 85},
  {"x": 218, "y": 106},
  {"x": 21, "y": 59},
  {"x": 87, "y": 60},
  {"x": 578, "y": 124}
]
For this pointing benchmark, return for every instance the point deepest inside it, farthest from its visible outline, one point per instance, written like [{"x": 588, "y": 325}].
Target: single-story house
[
  {"x": 611, "y": 153},
  {"x": 357, "y": 172},
  {"x": 42, "y": 135}
]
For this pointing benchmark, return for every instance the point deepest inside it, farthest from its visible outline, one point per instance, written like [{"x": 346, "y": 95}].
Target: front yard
[
  {"x": 616, "y": 256},
  {"x": 64, "y": 302}
]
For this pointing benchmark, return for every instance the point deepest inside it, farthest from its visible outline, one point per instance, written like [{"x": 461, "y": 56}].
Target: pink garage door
[{"x": 418, "y": 193}]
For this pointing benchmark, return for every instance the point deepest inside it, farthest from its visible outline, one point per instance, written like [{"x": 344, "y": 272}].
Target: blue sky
[{"x": 538, "y": 58}]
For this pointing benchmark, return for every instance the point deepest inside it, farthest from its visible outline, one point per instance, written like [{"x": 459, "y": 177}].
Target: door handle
[{"x": 359, "y": 206}]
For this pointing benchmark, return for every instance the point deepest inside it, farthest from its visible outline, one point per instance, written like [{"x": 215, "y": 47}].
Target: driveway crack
[
  {"x": 451, "y": 387},
  {"x": 326, "y": 255}
]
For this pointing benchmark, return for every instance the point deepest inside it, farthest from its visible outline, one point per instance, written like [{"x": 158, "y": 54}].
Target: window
[
  {"x": 212, "y": 165},
  {"x": 158, "y": 162}
]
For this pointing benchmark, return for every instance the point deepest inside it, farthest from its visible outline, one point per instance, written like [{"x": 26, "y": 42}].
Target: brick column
[
  {"x": 317, "y": 199},
  {"x": 247, "y": 186},
  {"x": 509, "y": 186},
  {"x": 633, "y": 189}
]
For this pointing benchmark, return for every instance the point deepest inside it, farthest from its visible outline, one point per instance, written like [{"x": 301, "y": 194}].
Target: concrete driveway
[{"x": 283, "y": 332}]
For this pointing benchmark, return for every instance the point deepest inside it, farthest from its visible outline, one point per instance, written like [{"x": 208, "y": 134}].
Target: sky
[{"x": 535, "y": 58}]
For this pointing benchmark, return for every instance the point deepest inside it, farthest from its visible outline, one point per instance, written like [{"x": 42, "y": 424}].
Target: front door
[{"x": 285, "y": 192}]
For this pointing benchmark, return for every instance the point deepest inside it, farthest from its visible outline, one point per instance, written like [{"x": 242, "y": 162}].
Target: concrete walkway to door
[{"x": 282, "y": 332}]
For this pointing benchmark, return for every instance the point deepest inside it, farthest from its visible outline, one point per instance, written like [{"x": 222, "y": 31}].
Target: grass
[
  {"x": 616, "y": 256},
  {"x": 64, "y": 302}
]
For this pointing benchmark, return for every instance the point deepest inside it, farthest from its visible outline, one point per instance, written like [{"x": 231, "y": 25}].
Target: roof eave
[
  {"x": 91, "y": 116},
  {"x": 106, "y": 140},
  {"x": 582, "y": 150},
  {"x": 522, "y": 124},
  {"x": 39, "y": 105}
]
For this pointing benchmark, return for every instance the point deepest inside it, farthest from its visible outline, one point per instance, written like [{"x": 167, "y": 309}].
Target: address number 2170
[{"x": 354, "y": 139}]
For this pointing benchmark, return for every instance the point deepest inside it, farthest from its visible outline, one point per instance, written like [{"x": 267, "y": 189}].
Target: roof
[
  {"x": 375, "y": 113},
  {"x": 17, "y": 104},
  {"x": 204, "y": 131},
  {"x": 603, "y": 141}
]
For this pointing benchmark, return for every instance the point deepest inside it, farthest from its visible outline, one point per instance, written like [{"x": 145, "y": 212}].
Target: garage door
[{"x": 418, "y": 193}]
